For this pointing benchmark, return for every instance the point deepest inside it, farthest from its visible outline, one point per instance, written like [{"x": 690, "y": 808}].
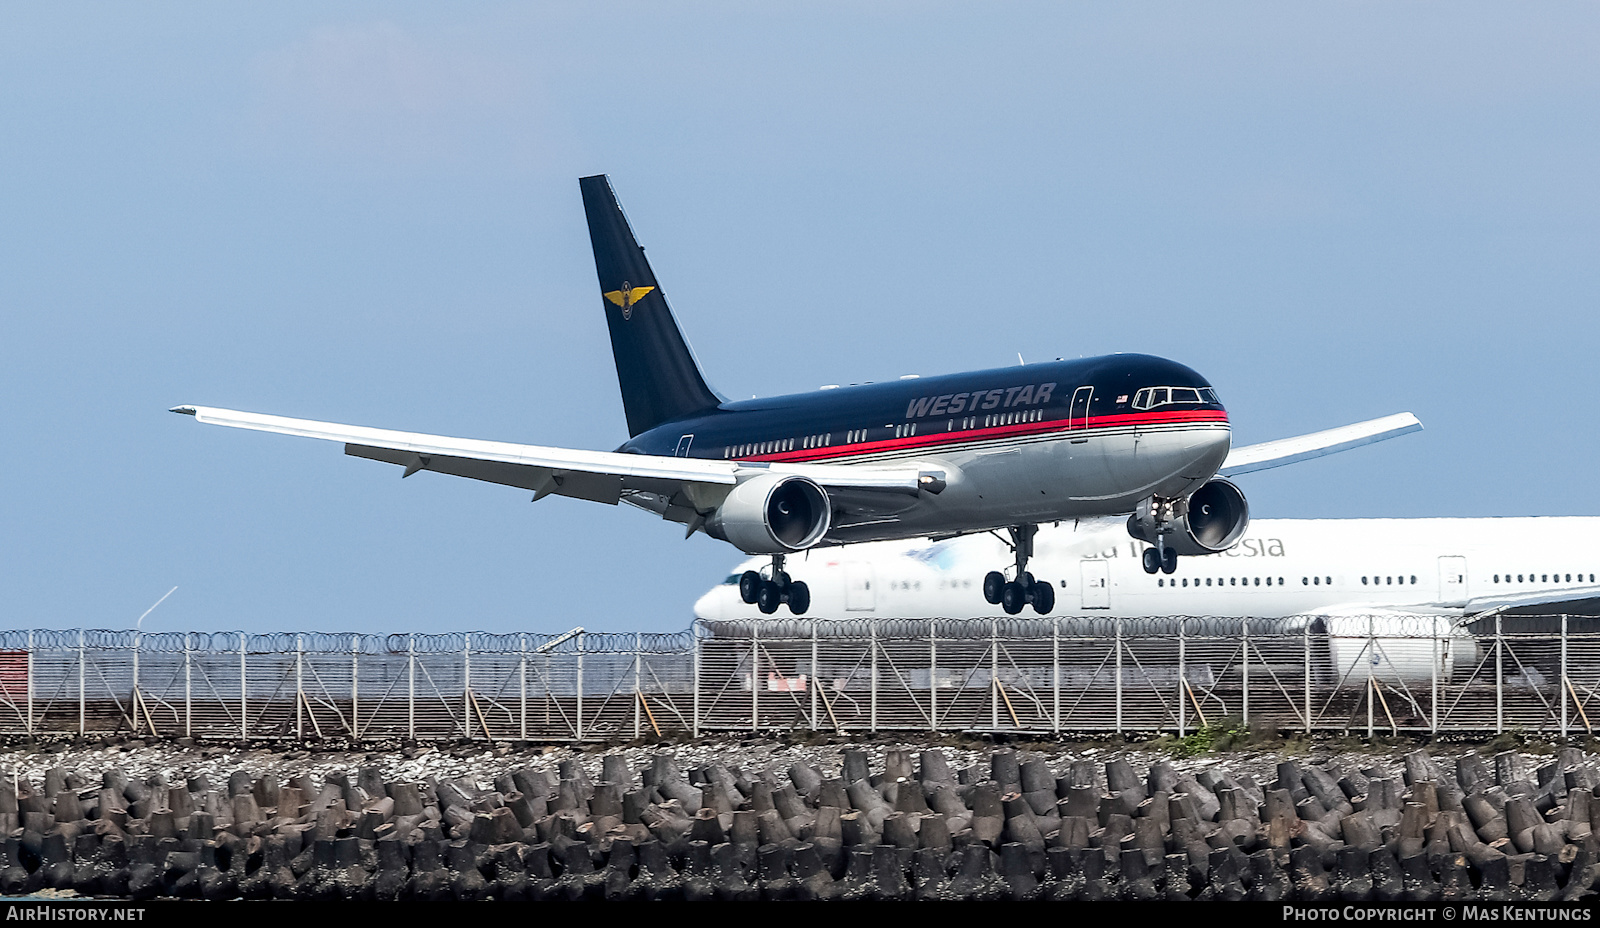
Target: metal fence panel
[{"x": 1358, "y": 674}]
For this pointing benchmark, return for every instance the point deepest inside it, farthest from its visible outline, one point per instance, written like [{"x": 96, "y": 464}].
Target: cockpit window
[{"x": 1151, "y": 397}]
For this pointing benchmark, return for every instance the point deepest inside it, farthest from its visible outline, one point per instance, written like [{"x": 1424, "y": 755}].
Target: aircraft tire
[
  {"x": 1043, "y": 597},
  {"x": 1025, "y": 580},
  {"x": 1013, "y": 598},
  {"x": 993, "y": 585},
  {"x": 781, "y": 578},
  {"x": 1152, "y": 561},
  {"x": 1169, "y": 560},
  {"x": 799, "y": 597},
  {"x": 749, "y": 587},
  {"x": 769, "y": 598}
]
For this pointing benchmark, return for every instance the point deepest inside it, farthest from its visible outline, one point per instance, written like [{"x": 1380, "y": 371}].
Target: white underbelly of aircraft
[{"x": 1048, "y": 481}]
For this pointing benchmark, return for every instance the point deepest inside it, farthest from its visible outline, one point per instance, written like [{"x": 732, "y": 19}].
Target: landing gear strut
[
  {"x": 1151, "y": 522},
  {"x": 1160, "y": 558},
  {"x": 768, "y": 594},
  {"x": 1012, "y": 595}
]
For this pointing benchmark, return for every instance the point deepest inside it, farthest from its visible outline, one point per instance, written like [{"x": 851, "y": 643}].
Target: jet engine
[
  {"x": 772, "y": 514},
  {"x": 1396, "y": 647},
  {"x": 1211, "y": 519}
]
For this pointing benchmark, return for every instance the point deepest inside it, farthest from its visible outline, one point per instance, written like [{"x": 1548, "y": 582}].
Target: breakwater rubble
[{"x": 751, "y": 820}]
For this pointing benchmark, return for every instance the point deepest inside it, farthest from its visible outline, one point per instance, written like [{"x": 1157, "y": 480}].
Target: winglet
[{"x": 183, "y": 410}]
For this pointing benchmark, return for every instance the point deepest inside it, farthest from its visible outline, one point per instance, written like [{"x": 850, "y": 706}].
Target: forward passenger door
[
  {"x": 1452, "y": 580},
  {"x": 1096, "y": 585}
]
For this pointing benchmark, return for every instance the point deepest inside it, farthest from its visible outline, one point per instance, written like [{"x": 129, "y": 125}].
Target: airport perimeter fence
[{"x": 1066, "y": 675}]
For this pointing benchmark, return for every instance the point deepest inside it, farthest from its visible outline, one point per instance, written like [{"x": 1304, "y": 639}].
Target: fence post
[
  {"x": 1563, "y": 676},
  {"x": 933, "y": 675},
  {"x": 1119, "y": 674},
  {"x": 1372, "y": 680},
  {"x": 1244, "y": 668},
  {"x": 466, "y": 687},
  {"x": 188, "y": 694},
  {"x": 638, "y": 683},
  {"x": 755, "y": 673},
  {"x": 1499, "y": 677},
  {"x": 30, "y": 681},
  {"x": 134, "y": 702},
  {"x": 355, "y": 690},
  {"x": 522, "y": 682},
  {"x": 1437, "y": 659},
  {"x": 1055, "y": 668},
  {"x": 81, "y": 696},
  {"x": 872, "y": 630},
  {"x": 994, "y": 674},
  {"x": 580, "y": 686},
  {"x": 1306, "y": 636},
  {"x": 299, "y": 688},
  {"x": 816, "y": 677},
  {"x": 411, "y": 687},
  {"x": 694, "y": 721},
  {"x": 244, "y": 698},
  {"x": 1183, "y": 682}
]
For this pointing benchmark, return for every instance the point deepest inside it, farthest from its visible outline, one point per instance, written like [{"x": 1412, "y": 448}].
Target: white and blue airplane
[
  {"x": 1454, "y": 568},
  {"x": 1390, "y": 599}
]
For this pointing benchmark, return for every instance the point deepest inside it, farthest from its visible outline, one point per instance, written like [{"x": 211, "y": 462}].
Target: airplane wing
[
  {"x": 600, "y": 476},
  {"x": 1577, "y": 600},
  {"x": 1315, "y": 445}
]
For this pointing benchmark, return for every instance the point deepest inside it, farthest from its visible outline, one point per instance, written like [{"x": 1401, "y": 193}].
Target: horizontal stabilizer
[{"x": 1317, "y": 444}]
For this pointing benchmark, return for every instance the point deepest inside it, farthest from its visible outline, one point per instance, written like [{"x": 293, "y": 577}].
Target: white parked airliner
[{"x": 1455, "y": 568}]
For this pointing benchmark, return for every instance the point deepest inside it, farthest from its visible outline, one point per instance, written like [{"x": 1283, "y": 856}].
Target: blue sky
[{"x": 369, "y": 213}]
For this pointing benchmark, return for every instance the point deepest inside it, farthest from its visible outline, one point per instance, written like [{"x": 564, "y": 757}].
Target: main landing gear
[
  {"x": 1012, "y": 595},
  {"x": 768, "y": 594},
  {"x": 1160, "y": 558}
]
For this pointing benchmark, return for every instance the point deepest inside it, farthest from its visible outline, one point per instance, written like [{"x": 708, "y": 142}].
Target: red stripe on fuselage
[{"x": 964, "y": 436}]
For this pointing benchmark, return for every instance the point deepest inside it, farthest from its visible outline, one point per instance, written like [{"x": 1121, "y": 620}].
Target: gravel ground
[{"x": 416, "y": 762}]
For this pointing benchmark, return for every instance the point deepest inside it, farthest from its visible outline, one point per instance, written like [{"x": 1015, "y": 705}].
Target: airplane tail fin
[{"x": 655, "y": 366}]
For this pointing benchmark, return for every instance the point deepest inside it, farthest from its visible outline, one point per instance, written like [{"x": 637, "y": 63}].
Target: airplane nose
[
  {"x": 716, "y": 602},
  {"x": 1206, "y": 449},
  {"x": 1221, "y": 441},
  {"x": 1224, "y": 440}
]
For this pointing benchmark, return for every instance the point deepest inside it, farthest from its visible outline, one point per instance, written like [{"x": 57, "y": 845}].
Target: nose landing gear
[
  {"x": 1155, "y": 519},
  {"x": 768, "y": 594},
  {"x": 1013, "y": 595}
]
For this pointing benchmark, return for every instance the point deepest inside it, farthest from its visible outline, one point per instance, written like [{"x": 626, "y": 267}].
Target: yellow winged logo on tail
[{"x": 627, "y": 297}]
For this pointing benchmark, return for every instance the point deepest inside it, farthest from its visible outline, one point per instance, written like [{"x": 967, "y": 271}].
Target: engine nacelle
[
  {"x": 773, "y": 514},
  {"x": 1211, "y": 519},
  {"x": 1398, "y": 647}
]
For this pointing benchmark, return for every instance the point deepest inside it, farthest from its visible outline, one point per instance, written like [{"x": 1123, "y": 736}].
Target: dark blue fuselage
[{"x": 867, "y": 421}]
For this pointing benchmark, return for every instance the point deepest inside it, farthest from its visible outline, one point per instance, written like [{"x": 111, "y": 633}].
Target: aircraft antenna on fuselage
[{"x": 656, "y": 369}]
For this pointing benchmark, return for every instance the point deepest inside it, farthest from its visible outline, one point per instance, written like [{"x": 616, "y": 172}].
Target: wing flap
[
  {"x": 599, "y": 488},
  {"x": 1317, "y": 444}
]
